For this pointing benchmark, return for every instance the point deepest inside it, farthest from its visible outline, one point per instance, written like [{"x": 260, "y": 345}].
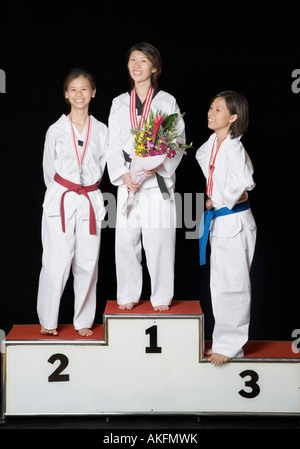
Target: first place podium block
[{"x": 146, "y": 362}]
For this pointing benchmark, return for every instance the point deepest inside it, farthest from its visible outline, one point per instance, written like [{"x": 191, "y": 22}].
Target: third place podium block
[{"x": 146, "y": 362}]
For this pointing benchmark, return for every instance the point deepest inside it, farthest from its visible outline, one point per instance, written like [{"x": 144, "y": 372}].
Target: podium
[{"x": 143, "y": 362}]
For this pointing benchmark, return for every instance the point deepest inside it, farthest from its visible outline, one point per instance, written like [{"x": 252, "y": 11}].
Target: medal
[{"x": 80, "y": 161}]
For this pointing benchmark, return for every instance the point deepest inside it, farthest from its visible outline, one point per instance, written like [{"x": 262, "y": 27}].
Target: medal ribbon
[
  {"x": 80, "y": 162},
  {"x": 146, "y": 108},
  {"x": 211, "y": 167}
]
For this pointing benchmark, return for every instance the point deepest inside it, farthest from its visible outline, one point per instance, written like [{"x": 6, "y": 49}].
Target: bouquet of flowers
[{"x": 155, "y": 142}]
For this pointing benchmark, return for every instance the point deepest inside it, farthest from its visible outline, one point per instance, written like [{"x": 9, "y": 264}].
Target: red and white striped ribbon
[
  {"x": 211, "y": 167},
  {"x": 146, "y": 108},
  {"x": 80, "y": 160}
]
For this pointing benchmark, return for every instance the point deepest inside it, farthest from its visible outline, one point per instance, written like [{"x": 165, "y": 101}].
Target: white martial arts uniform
[
  {"x": 76, "y": 245},
  {"x": 232, "y": 240},
  {"x": 152, "y": 219}
]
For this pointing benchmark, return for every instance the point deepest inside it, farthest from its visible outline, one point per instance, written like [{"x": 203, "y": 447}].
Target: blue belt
[{"x": 206, "y": 219}]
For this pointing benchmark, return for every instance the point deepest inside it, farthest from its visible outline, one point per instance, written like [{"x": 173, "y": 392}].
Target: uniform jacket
[
  {"x": 59, "y": 156},
  {"x": 120, "y": 138},
  {"x": 233, "y": 175}
]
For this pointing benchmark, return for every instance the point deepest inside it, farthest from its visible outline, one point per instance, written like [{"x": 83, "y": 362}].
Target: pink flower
[
  {"x": 153, "y": 152},
  {"x": 150, "y": 145},
  {"x": 171, "y": 153},
  {"x": 163, "y": 147}
]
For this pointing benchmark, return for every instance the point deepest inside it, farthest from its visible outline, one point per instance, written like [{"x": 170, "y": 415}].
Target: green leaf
[
  {"x": 168, "y": 121},
  {"x": 151, "y": 118},
  {"x": 186, "y": 146}
]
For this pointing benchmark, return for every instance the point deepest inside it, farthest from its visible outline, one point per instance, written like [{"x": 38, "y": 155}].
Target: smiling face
[
  {"x": 140, "y": 67},
  {"x": 79, "y": 92},
  {"x": 219, "y": 117}
]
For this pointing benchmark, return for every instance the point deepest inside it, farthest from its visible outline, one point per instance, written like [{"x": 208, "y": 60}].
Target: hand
[
  {"x": 243, "y": 197},
  {"x": 152, "y": 172},
  {"x": 208, "y": 204},
  {"x": 129, "y": 183}
]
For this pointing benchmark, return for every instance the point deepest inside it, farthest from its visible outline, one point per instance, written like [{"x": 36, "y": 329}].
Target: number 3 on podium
[{"x": 252, "y": 383}]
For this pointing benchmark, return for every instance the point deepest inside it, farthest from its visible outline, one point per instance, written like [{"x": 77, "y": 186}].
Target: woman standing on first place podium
[
  {"x": 73, "y": 208},
  {"x": 147, "y": 218}
]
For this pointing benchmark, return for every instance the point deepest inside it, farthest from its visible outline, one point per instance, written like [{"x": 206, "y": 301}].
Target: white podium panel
[{"x": 144, "y": 363}]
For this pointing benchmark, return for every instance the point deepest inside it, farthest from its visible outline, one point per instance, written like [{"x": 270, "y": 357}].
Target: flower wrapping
[{"x": 153, "y": 144}]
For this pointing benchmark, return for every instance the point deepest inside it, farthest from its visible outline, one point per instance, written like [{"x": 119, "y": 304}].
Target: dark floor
[{"x": 172, "y": 422}]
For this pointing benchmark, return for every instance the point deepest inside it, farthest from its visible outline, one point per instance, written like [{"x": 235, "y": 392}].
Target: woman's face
[
  {"x": 219, "y": 117},
  {"x": 140, "y": 67},
  {"x": 80, "y": 92}
]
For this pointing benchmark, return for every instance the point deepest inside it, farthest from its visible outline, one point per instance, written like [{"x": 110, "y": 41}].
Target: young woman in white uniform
[
  {"x": 73, "y": 164},
  {"x": 228, "y": 170},
  {"x": 152, "y": 219}
]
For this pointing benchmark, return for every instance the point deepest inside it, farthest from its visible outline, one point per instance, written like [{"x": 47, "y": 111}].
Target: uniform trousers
[
  {"x": 151, "y": 222},
  {"x": 230, "y": 286},
  {"x": 79, "y": 249}
]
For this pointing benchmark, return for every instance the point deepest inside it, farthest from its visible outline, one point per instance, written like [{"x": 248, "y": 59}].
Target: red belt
[{"x": 80, "y": 190}]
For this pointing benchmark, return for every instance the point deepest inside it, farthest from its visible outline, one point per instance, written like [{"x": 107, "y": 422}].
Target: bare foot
[
  {"x": 216, "y": 358},
  {"x": 85, "y": 332},
  {"x": 161, "y": 308},
  {"x": 128, "y": 306},
  {"x": 48, "y": 331},
  {"x": 208, "y": 352}
]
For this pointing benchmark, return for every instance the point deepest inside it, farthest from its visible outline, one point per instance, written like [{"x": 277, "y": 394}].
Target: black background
[{"x": 205, "y": 50}]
